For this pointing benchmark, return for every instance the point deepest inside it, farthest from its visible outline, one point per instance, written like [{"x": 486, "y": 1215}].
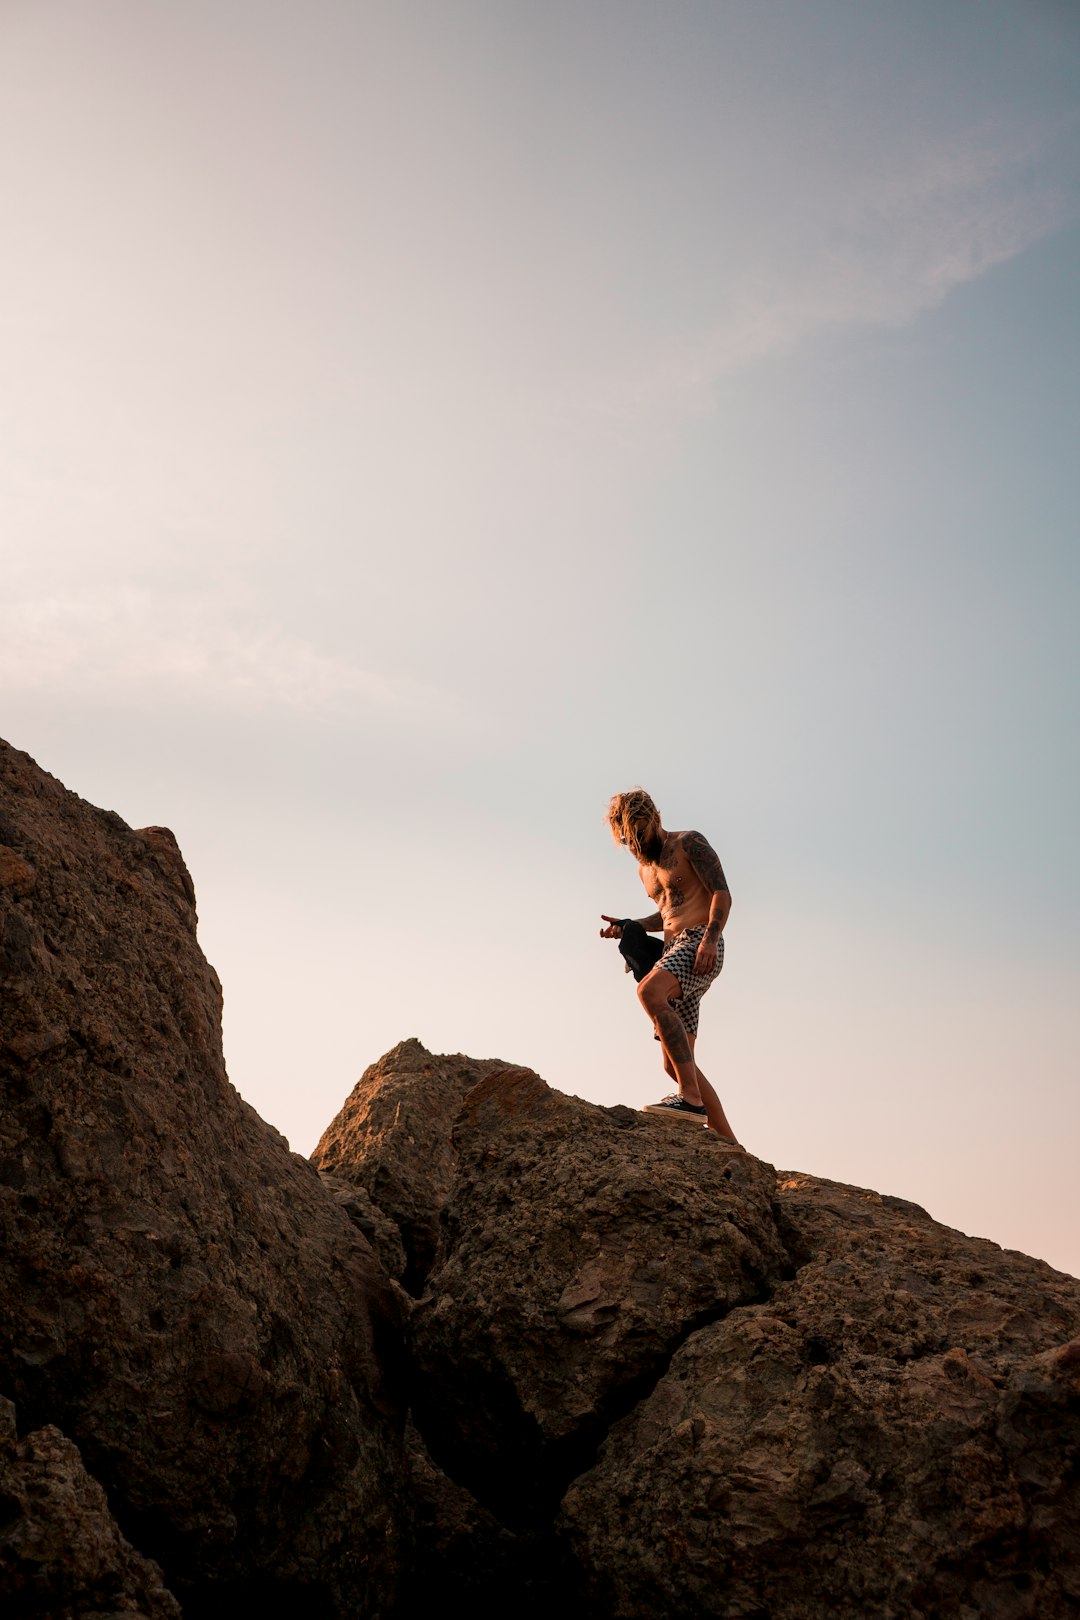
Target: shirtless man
[{"x": 684, "y": 878}]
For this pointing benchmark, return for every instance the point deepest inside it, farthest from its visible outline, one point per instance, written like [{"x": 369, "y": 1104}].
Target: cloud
[
  {"x": 885, "y": 255},
  {"x": 139, "y": 644}
]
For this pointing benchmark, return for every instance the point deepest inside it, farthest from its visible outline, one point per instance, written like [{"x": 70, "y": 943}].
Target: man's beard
[{"x": 651, "y": 845}]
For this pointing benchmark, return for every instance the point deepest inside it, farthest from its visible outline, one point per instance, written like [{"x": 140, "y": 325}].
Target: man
[{"x": 684, "y": 878}]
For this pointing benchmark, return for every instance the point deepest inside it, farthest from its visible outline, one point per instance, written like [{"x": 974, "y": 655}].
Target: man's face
[{"x": 647, "y": 832}]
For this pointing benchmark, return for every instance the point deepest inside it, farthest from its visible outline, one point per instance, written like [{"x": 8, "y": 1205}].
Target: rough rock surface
[
  {"x": 581, "y": 1246},
  {"x": 894, "y": 1432},
  {"x": 178, "y": 1293},
  {"x": 378, "y": 1228},
  {"x": 393, "y": 1142},
  {"x": 61, "y": 1550},
  {"x": 756, "y": 1396}
]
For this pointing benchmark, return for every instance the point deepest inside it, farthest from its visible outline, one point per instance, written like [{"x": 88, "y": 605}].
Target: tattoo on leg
[{"x": 673, "y": 1035}]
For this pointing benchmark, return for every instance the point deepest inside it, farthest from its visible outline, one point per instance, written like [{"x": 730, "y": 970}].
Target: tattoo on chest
[
  {"x": 666, "y": 886},
  {"x": 666, "y": 889}
]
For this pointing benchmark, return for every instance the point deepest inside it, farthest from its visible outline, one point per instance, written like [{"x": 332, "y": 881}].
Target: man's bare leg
[
  {"x": 689, "y": 1094},
  {"x": 676, "y": 1044},
  {"x": 656, "y": 997},
  {"x": 714, "y": 1108}
]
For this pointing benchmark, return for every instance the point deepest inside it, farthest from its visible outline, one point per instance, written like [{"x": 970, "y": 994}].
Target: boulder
[
  {"x": 894, "y": 1431},
  {"x": 393, "y": 1142},
  {"x": 62, "y": 1554},
  {"x": 581, "y": 1246},
  {"x": 179, "y": 1294}
]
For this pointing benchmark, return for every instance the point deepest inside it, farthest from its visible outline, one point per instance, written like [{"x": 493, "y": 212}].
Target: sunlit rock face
[
  {"x": 496, "y": 1347},
  {"x": 178, "y": 1293},
  {"x": 391, "y": 1147}
]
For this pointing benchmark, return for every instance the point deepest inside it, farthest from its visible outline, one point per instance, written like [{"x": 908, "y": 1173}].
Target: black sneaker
[{"x": 677, "y": 1108}]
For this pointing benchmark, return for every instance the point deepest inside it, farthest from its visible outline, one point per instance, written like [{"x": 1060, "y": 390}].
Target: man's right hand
[{"x": 614, "y": 928}]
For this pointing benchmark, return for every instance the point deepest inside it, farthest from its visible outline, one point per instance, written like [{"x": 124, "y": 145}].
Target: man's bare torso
[{"x": 682, "y": 881}]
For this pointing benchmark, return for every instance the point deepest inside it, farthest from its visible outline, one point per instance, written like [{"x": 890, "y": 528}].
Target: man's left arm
[{"x": 706, "y": 863}]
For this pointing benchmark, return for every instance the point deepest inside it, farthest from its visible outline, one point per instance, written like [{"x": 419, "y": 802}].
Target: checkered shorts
[{"x": 678, "y": 958}]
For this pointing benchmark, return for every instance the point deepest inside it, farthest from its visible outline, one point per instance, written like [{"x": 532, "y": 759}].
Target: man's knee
[
  {"x": 655, "y": 992},
  {"x": 649, "y": 998}
]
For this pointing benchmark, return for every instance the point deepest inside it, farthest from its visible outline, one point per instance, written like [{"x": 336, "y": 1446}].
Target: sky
[{"x": 419, "y": 422}]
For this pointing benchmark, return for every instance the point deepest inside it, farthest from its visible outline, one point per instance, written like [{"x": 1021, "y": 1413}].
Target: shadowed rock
[
  {"x": 894, "y": 1432},
  {"x": 61, "y": 1550},
  {"x": 178, "y": 1292},
  {"x": 581, "y": 1245}
]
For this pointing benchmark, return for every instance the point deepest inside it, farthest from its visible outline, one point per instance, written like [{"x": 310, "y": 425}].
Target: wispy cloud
[
  {"x": 883, "y": 256},
  {"x": 141, "y": 644}
]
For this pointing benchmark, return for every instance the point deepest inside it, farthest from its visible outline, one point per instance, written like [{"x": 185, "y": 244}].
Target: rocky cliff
[
  {"x": 494, "y": 1344},
  {"x": 178, "y": 1295}
]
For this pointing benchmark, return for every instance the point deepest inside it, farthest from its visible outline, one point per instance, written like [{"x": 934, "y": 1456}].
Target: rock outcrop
[
  {"x": 61, "y": 1551},
  {"x": 581, "y": 1247},
  {"x": 178, "y": 1293},
  {"x": 497, "y": 1348},
  {"x": 652, "y": 1376},
  {"x": 894, "y": 1432},
  {"x": 389, "y": 1156}
]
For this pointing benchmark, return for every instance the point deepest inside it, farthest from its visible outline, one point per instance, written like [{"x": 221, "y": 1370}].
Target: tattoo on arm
[{"x": 705, "y": 861}]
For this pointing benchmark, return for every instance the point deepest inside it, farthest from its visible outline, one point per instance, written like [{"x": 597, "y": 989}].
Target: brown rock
[
  {"x": 393, "y": 1139},
  {"x": 646, "y": 1376},
  {"x": 15, "y": 873},
  {"x": 581, "y": 1246},
  {"x": 760, "y": 1399},
  {"x": 62, "y": 1554},
  {"x": 894, "y": 1432},
  {"x": 162, "y": 840},
  {"x": 178, "y": 1292},
  {"x": 382, "y": 1233}
]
